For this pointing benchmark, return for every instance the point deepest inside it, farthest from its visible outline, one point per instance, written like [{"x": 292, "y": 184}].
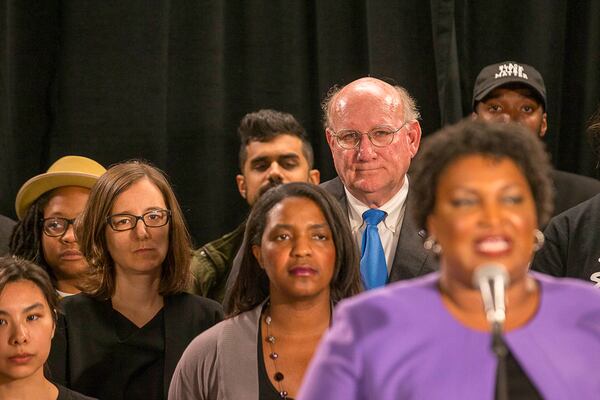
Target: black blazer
[
  {"x": 411, "y": 259},
  {"x": 85, "y": 336}
]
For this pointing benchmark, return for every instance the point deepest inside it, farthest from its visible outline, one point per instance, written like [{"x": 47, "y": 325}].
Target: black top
[
  {"x": 68, "y": 394},
  {"x": 519, "y": 385},
  {"x": 140, "y": 357},
  {"x": 94, "y": 347},
  {"x": 266, "y": 390}
]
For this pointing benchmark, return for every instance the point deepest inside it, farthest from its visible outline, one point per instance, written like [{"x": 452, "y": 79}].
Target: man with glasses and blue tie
[{"x": 373, "y": 132}]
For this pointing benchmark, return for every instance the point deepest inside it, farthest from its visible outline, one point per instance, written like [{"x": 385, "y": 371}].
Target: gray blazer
[
  {"x": 411, "y": 259},
  {"x": 221, "y": 363}
]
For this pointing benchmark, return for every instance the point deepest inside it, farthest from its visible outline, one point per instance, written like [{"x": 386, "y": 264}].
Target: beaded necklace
[{"x": 274, "y": 356}]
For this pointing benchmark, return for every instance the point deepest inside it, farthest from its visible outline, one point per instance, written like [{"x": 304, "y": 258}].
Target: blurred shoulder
[
  {"x": 569, "y": 290},
  {"x": 405, "y": 298}
]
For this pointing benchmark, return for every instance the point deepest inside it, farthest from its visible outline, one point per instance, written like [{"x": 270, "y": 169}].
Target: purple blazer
[{"x": 400, "y": 342}]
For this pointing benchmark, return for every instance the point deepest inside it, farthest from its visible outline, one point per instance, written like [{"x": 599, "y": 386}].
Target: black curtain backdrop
[{"x": 168, "y": 81}]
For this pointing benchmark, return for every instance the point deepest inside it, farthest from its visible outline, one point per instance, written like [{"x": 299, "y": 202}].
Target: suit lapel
[
  {"x": 336, "y": 188},
  {"x": 411, "y": 259}
]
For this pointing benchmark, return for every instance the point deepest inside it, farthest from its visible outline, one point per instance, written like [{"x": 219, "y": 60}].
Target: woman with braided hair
[{"x": 47, "y": 206}]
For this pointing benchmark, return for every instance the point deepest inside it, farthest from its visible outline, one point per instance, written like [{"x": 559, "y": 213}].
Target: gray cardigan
[{"x": 221, "y": 363}]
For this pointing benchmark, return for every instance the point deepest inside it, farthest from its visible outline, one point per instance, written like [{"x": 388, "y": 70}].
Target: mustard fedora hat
[{"x": 66, "y": 171}]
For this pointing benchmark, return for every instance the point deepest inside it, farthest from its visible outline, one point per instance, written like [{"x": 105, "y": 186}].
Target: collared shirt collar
[{"x": 393, "y": 208}]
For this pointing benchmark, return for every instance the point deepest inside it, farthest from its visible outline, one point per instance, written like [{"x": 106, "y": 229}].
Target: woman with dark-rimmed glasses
[
  {"x": 122, "y": 337},
  {"x": 47, "y": 206}
]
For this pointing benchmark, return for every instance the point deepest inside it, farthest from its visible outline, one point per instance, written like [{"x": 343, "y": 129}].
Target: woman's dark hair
[
  {"x": 26, "y": 237},
  {"x": 252, "y": 284},
  {"x": 14, "y": 269},
  {"x": 91, "y": 230},
  {"x": 496, "y": 141}
]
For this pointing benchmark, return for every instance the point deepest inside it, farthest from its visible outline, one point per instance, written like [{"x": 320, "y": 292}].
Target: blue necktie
[{"x": 372, "y": 259}]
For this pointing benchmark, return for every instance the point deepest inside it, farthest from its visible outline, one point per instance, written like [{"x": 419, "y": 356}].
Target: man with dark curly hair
[
  {"x": 511, "y": 91},
  {"x": 572, "y": 238}
]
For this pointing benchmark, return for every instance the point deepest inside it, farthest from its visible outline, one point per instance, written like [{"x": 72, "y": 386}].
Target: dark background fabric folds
[{"x": 168, "y": 81}]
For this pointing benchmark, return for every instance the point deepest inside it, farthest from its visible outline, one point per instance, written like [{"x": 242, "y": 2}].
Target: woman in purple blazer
[{"x": 481, "y": 192}]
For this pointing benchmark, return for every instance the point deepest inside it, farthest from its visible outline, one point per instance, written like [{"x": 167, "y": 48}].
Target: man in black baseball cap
[{"x": 512, "y": 91}]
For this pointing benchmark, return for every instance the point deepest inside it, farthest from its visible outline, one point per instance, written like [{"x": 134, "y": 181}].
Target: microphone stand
[
  {"x": 496, "y": 316},
  {"x": 500, "y": 350},
  {"x": 493, "y": 300}
]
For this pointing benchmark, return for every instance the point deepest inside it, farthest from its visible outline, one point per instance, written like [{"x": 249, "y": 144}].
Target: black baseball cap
[{"x": 500, "y": 74}]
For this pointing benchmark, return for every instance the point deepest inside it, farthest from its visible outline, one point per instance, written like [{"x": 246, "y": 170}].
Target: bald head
[
  {"x": 369, "y": 106},
  {"x": 342, "y": 101}
]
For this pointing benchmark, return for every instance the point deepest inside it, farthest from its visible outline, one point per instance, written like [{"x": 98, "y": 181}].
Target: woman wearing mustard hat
[{"x": 47, "y": 206}]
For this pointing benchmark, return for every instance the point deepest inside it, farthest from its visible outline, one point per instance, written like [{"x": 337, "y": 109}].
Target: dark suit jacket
[
  {"x": 411, "y": 259},
  {"x": 85, "y": 337},
  {"x": 571, "y": 189}
]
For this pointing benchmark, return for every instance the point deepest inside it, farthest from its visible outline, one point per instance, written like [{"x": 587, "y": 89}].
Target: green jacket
[{"x": 211, "y": 264}]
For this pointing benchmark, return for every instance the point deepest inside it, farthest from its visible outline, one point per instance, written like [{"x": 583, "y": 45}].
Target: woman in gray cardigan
[{"x": 298, "y": 260}]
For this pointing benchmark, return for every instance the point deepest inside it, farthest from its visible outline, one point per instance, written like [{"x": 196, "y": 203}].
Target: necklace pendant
[
  {"x": 271, "y": 339},
  {"x": 278, "y": 376},
  {"x": 274, "y": 356},
  {"x": 283, "y": 394}
]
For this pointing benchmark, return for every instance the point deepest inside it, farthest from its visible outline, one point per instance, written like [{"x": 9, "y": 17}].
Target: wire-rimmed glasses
[{"x": 380, "y": 136}]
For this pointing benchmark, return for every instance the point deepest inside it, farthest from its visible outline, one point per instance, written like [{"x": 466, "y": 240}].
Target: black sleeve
[
  {"x": 56, "y": 366},
  {"x": 551, "y": 259}
]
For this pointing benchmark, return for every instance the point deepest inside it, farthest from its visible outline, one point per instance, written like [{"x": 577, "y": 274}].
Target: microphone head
[{"x": 490, "y": 272}]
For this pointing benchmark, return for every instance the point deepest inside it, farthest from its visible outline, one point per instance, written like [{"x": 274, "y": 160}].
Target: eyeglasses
[
  {"x": 56, "y": 226},
  {"x": 380, "y": 136},
  {"x": 152, "y": 219}
]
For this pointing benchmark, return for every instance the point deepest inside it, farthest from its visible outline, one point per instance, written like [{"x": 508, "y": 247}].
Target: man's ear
[
  {"x": 544, "y": 126},
  {"x": 330, "y": 139},
  {"x": 314, "y": 176},
  {"x": 240, "y": 180},
  {"x": 413, "y": 136},
  {"x": 474, "y": 115}
]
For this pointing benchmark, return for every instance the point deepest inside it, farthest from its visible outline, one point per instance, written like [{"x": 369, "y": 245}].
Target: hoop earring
[
  {"x": 539, "y": 240},
  {"x": 431, "y": 244}
]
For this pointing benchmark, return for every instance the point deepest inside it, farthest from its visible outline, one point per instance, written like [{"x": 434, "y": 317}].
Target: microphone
[{"x": 491, "y": 280}]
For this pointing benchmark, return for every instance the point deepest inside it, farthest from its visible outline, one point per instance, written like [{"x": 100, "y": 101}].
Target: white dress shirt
[{"x": 389, "y": 228}]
